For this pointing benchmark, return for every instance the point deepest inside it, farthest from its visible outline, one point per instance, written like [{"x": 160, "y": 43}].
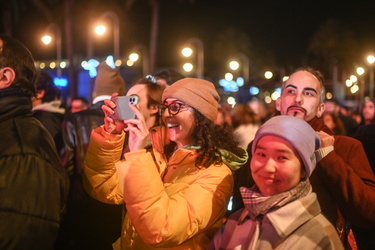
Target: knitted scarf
[{"x": 257, "y": 204}]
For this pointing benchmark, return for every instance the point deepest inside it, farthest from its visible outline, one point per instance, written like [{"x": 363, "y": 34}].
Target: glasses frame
[{"x": 163, "y": 107}]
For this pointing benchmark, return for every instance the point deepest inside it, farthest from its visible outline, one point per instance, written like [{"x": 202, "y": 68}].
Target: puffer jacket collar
[
  {"x": 13, "y": 106},
  {"x": 53, "y": 106}
]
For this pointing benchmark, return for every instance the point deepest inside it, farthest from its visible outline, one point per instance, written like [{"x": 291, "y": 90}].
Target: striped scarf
[{"x": 257, "y": 204}]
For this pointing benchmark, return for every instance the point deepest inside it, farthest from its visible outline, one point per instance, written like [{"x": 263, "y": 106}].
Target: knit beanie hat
[
  {"x": 297, "y": 132},
  {"x": 108, "y": 81},
  {"x": 197, "y": 93}
]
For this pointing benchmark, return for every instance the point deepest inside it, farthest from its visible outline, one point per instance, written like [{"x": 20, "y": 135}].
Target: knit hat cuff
[
  {"x": 298, "y": 133},
  {"x": 197, "y": 93}
]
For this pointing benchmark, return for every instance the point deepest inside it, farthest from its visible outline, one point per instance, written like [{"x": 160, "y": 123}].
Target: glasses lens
[{"x": 174, "y": 108}]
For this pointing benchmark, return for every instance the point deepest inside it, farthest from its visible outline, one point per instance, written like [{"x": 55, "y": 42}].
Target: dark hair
[
  {"x": 211, "y": 138},
  {"x": 335, "y": 101},
  {"x": 169, "y": 76},
  {"x": 361, "y": 110},
  {"x": 82, "y": 99},
  {"x": 15, "y": 55},
  {"x": 339, "y": 128},
  {"x": 45, "y": 82}
]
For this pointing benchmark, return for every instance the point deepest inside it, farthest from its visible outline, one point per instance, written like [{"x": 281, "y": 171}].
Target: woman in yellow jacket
[{"x": 176, "y": 193}]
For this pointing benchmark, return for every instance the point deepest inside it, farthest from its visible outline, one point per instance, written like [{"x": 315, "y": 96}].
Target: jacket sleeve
[
  {"x": 169, "y": 214},
  {"x": 100, "y": 177},
  {"x": 346, "y": 172}
]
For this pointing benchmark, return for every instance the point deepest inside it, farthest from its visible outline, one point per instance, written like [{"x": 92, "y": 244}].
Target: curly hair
[{"x": 211, "y": 138}]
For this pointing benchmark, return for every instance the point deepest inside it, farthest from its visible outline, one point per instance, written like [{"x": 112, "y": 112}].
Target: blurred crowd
[{"x": 94, "y": 153}]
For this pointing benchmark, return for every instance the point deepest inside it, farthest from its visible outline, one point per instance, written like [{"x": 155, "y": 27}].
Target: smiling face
[
  {"x": 275, "y": 165},
  {"x": 180, "y": 125},
  {"x": 301, "y": 97}
]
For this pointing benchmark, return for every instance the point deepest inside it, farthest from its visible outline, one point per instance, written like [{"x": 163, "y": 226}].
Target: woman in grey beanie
[{"x": 281, "y": 211}]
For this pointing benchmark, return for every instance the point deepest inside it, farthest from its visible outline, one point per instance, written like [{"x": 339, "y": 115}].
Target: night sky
[{"x": 282, "y": 28}]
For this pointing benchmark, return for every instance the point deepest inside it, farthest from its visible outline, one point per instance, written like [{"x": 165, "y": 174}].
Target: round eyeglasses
[{"x": 173, "y": 108}]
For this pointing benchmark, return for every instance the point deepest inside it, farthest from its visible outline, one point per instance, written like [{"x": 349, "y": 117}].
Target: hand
[
  {"x": 110, "y": 125},
  {"x": 326, "y": 139},
  {"x": 137, "y": 129}
]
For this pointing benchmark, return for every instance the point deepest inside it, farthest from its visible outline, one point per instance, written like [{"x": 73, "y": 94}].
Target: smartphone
[{"x": 123, "y": 110}]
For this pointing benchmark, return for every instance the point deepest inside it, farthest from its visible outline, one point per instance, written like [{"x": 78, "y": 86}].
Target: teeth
[{"x": 172, "y": 126}]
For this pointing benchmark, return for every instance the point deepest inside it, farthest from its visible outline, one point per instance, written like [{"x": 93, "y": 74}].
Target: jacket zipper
[{"x": 168, "y": 166}]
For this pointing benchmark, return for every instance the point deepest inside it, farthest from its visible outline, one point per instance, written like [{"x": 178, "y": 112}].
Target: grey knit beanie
[
  {"x": 197, "y": 93},
  {"x": 297, "y": 132}
]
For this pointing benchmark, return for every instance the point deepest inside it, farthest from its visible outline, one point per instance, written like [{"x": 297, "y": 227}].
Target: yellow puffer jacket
[{"x": 172, "y": 204}]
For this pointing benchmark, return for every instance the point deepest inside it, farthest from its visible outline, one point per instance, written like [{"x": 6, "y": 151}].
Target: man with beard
[{"x": 343, "y": 179}]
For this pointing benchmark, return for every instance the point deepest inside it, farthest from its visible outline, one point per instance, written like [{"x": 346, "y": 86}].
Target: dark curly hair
[{"x": 211, "y": 138}]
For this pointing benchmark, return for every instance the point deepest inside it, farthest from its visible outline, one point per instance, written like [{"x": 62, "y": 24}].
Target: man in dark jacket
[
  {"x": 47, "y": 108},
  {"x": 343, "y": 179},
  {"x": 89, "y": 224},
  {"x": 33, "y": 184}
]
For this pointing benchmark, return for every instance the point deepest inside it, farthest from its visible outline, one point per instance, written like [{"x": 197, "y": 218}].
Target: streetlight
[
  {"x": 188, "y": 51},
  {"x": 371, "y": 60},
  {"x": 48, "y": 39},
  {"x": 188, "y": 67},
  {"x": 234, "y": 65},
  {"x": 134, "y": 56},
  {"x": 361, "y": 83},
  {"x": 268, "y": 75},
  {"x": 101, "y": 29}
]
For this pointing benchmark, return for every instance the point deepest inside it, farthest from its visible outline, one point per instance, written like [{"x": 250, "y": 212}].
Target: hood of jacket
[
  {"x": 53, "y": 106},
  {"x": 232, "y": 160}
]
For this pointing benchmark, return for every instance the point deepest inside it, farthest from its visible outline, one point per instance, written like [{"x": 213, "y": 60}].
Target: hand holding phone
[{"x": 122, "y": 109}]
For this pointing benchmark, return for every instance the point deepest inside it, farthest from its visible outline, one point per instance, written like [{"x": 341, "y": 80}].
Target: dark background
[{"x": 273, "y": 34}]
